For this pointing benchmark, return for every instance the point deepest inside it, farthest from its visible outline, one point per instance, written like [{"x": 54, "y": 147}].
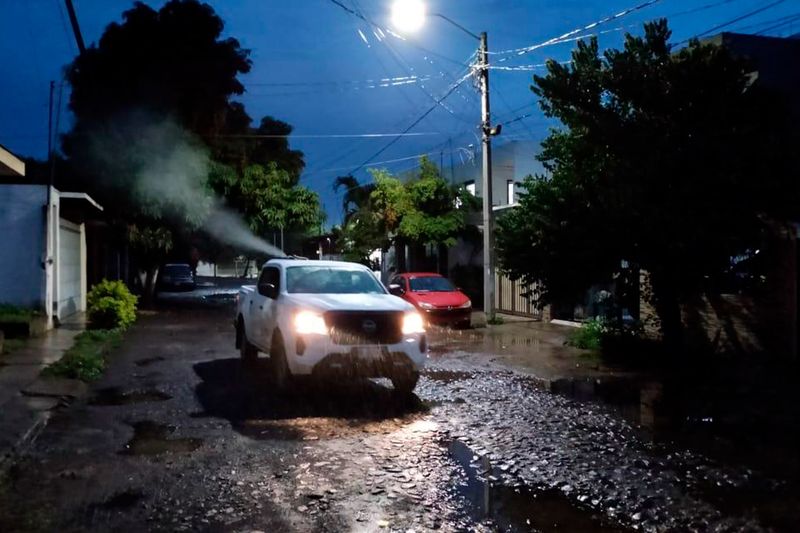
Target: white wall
[
  {"x": 22, "y": 244},
  {"x": 514, "y": 160}
]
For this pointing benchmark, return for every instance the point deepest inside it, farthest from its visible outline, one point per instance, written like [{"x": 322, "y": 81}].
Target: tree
[
  {"x": 146, "y": 99},
  {"x": 267, "y": 198},
  {"x": 425, "y": 210},
  {"x": 242, "y": 145},
  {"x": 360, "y": 233},
  {"x": 171, "y": 63},
  {"x": 670, "y": 161}
]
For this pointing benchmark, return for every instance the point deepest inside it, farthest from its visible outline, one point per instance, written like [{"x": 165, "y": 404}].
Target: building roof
[{"x": 10, "y": 165}]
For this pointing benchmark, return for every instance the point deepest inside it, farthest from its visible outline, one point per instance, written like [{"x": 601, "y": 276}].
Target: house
[{"x": 43, "y": 263}]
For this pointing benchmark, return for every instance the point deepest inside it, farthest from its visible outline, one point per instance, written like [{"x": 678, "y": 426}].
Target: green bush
[
  {"x": 86, "y": 359},
  {"x": 589, "y": 336},
  {"x": 111, "y": 305},
  {"x": 604, "y": 335}
]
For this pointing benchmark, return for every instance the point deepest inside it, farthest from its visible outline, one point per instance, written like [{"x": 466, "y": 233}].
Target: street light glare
[{"x": 408, "y": 15}]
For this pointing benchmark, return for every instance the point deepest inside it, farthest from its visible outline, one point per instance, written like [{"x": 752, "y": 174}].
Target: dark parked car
[{"x": 176, "y": 277}]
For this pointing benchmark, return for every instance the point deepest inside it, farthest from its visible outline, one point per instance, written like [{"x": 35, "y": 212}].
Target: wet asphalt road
[{"x": 178, "y": 436}]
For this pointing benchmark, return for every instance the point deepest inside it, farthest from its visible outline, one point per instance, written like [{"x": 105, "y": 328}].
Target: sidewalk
[{"x": 26, "y": 400}]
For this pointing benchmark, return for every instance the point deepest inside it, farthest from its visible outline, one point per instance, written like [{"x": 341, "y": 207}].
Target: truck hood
[{"x": 349, "y": 302}]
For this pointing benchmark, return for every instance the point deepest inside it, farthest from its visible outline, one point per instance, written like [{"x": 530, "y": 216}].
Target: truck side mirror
[
  {"x": 268, "y": 289},
  {"x": 396, "y": 289}
]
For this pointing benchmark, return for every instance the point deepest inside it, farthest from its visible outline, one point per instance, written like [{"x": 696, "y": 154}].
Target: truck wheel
[
  {"x": 281, "y": 374},
  {"x": 248, "y": 352},
  {"x": 405, "y": 384}
]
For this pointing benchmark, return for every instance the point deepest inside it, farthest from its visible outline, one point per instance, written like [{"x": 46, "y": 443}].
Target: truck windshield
[{"x": 331, "y": 280}]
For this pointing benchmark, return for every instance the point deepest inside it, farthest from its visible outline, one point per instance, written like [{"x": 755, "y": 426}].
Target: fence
[{"x": 508, "y": 297}]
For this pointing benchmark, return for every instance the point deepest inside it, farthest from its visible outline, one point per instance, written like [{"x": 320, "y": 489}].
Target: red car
[{"x": 436, "y": 298}]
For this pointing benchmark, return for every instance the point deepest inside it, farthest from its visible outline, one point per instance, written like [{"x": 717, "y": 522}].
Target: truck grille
[{"x": 365, "y": 327}]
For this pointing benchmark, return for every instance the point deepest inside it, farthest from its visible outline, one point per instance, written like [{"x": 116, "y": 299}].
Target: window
[
  {"x": 510, "y": 192},
  {"x": 431, "y": 284},
  {"x": 270, "y": 275},
  {"x": 331, "y": 280},
  {"x": 470, "y": 186}
]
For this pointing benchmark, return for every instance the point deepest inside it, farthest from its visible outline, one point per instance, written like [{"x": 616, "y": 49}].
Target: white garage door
[{"x": 69, "y": 270}]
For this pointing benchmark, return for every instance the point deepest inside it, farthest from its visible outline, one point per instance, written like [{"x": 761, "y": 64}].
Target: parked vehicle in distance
[
  {"x": 329, "y": 319},
  {"x": 176, "y": 277},
  {"x": 439, "y": 301}
]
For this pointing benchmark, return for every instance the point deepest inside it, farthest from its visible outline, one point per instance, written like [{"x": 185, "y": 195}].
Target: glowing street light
[{"x": 409, "y": 16}]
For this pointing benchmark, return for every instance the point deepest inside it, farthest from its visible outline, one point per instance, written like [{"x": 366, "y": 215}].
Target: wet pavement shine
[{"x": 178, "y": 435}]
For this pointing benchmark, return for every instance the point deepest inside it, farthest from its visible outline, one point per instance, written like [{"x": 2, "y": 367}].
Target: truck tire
[
  {"x": 281, "y": 375},
  {"x": 248, "y": 352},
  {"x": 405, "y": 384}
]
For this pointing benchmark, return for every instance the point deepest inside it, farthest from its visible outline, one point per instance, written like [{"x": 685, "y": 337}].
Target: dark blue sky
[{"x": 318, "y": 50}]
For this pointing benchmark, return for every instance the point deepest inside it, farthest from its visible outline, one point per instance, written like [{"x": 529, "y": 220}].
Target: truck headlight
[
  {"x": 413, "y": 323},
  {"x": 466, "y": 304},
  {"x": 426, "y": 305},
  {"x": 309, "y": 322}
]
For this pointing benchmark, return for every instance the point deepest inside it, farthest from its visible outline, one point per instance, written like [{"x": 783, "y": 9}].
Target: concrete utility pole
[
  {"x": 409, "y": 15},
  {"x": 486, "y": 182},
  {"x": 76, "y": 29}
]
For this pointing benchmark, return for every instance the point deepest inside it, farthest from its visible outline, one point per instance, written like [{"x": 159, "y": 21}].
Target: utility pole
[
  {"x": 76, "y": 29},
  {"x": 486, "y": 182}
]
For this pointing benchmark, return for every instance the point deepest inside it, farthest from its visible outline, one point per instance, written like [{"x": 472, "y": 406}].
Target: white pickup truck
[{"x": 329, "y": 319}]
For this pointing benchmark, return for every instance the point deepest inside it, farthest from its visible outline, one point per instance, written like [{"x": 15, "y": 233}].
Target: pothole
[
  {"x": 520, "y": 508},
  {"x": 123, "y": 500},
  {"x": 115, "y": 396},
  {"x": 151, "y": 438}
]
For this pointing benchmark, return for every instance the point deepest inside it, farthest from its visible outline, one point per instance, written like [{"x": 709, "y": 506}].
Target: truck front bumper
[{"x": 319, "y": 355}]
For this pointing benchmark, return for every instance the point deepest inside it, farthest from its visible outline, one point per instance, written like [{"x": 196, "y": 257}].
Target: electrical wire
[
  {"x": 411, "y": 126},
  {"x": 329, "y": 135},
  {"x": 787, "y": 21},
  {"x": 733, "y": 21},
  {"x": 569, "y": 35}
]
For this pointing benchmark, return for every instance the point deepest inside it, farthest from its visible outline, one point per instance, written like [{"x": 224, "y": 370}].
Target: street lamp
[{"x": 409, "y": 16}]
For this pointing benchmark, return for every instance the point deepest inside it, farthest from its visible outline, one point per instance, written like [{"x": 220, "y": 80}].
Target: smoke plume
[{"x": 164, "y": 170}]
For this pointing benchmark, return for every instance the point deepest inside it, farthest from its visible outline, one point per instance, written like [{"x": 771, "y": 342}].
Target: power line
[
  {"x": 411, "y": 126},
  {"x": 734, "y": 20},
  {"x": 328, "y": 135},
  {"x": 569, "y": 34},
  {"x": 788, "y": 21}
]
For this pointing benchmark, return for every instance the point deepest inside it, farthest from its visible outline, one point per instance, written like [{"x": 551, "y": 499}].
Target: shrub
[
  {"x": 86, "y": 359},
  {"x": 589, "y": 336},
  {"x": 111, "y": 305},
  {"x": 603, "y": 334}
]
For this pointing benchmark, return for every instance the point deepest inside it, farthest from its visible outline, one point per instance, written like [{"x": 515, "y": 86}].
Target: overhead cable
[
  {"x": 569, "y": 34},
  {"x": 450, "y": 91}
]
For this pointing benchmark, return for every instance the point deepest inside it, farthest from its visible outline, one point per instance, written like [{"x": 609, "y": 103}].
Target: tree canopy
[
  {"x": 667, "y": 160},
  {"x": 267, "y": 197},
  {"x": 424, "y": 209}
]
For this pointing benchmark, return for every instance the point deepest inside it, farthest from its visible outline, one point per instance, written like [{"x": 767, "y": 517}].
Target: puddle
[
  {"x": 123, "y": 500},
  {"x": 115, "y": 396},
  {"x": 522, "y": 509},
  {"x": 150, "y": 438},
  {"x": 149, "y": 361},
  {"x": 447, "y": 376}
]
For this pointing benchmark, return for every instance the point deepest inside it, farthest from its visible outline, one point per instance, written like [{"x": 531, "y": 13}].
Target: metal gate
[{"x": 509, "y": 298}]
